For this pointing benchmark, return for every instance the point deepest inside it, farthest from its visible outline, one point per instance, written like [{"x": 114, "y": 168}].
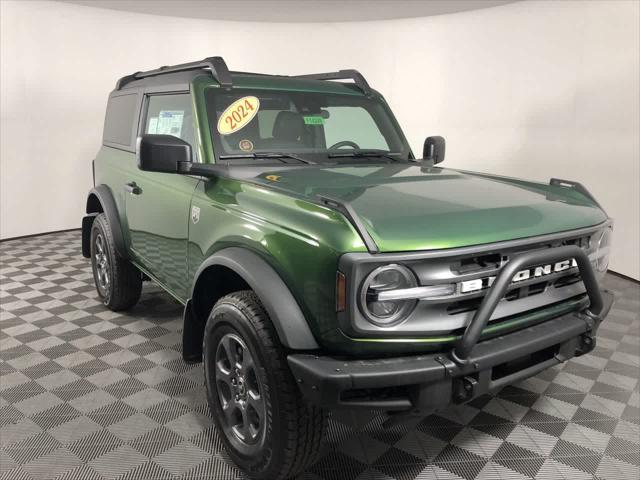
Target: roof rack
[
  {"x": 221, "y": 74},
  {"x": 349, "y": 74},
  {"x": 218, "y": 67}
]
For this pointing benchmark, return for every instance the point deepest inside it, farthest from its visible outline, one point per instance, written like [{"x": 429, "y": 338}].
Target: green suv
[{"x": 320, "y": 264}]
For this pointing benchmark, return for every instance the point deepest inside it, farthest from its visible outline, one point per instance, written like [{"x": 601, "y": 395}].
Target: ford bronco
[{"x": 321, "y": 265}]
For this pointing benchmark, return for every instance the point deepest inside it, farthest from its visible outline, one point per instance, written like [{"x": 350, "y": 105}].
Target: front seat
[{"x": 287, "y": 130}]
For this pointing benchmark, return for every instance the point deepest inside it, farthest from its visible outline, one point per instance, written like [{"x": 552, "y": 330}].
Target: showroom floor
[{"x": 86, "y": 393}]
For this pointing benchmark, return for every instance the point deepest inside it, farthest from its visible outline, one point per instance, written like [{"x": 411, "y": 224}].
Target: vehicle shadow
[{"x": 156, "y": 305}]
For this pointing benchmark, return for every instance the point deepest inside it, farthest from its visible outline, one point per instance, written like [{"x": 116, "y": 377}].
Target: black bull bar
[{"x": 472, "y": 334}]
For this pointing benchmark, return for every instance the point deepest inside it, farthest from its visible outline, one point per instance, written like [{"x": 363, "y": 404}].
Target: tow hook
[
  {"x": 464, "y": 389},
  {"x": 587, "y": 344}
]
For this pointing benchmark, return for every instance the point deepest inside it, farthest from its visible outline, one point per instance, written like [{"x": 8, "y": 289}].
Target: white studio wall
[{"x": 532, "y": 89}]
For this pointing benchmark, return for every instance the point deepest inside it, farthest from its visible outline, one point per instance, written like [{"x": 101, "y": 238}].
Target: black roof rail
[
  {"x": 218, "y": 67},
  {"x": 349, "y": 74}
]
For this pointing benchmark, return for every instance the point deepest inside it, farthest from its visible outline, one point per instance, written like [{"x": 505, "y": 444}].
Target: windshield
[{"x": 301, "y": 125}]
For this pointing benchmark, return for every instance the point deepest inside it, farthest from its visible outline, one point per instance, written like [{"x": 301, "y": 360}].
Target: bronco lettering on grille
[{"x": 534, "y": 272}]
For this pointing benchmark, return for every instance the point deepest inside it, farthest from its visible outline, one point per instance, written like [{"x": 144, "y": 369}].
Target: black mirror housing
[
  {"x": 162, "y": 153},
  {"x": 434, "y": 148}
]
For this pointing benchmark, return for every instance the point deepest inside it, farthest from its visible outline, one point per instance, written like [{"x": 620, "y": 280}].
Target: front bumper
[
  {"x": 426, "y": 383},
  {"x": 429, "y": 382}
]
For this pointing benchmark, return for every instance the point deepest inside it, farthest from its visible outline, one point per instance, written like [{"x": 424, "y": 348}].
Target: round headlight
[
  {"x": 386, "y": 313},
  {"x": 603, "y": 250}
]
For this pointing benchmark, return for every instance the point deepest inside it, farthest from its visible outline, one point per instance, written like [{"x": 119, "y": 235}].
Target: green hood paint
[{"x": 412, "y": 207}]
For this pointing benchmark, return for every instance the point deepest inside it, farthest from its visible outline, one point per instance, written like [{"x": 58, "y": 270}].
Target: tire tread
[{"x": 305, "y": 423}]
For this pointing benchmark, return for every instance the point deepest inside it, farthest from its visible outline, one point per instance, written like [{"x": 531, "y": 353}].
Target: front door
[{"x": 158, "y": 204}]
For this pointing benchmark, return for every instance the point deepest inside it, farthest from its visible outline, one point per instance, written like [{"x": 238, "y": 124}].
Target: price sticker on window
[{"x": 238, "y": 115}]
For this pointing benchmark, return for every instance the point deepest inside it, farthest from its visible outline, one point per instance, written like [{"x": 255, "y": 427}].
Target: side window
[
  {"x": 118, "y": 124},
  {"x": 355, "y": 124},
  {"x": 171, "y": 115}
]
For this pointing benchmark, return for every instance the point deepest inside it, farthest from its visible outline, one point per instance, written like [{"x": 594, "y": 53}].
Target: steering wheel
[{"x": 345, "y": 143}]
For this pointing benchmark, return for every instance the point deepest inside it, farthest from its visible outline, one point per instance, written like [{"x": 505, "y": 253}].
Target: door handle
[{"x": 132, "y": 188}]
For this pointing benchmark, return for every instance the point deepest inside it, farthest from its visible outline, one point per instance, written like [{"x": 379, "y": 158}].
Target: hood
[{"x": 412, "y": 207}]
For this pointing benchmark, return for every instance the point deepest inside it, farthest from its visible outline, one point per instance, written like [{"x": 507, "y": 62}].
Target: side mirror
[
  {"x": 162, "y": 153},
  {"x": 434, "y": 149}
]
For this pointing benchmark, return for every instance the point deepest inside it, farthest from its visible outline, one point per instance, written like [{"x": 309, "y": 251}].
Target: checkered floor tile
[{"x": 86, "y": 393}]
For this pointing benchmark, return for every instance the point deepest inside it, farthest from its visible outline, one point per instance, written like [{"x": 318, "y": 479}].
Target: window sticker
[
  {"x": 153, "y": 125},
  {"x": 314, "y": 120},
  {"x": 238, "y": 115},
  {"x": 169, "y": 122},
  {"x": 246, "y": 145}
]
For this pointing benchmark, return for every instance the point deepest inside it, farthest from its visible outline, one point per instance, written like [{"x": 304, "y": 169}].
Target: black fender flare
[
  {"x": 107, "y": 204},
  {"x": 283, "y": 309}
]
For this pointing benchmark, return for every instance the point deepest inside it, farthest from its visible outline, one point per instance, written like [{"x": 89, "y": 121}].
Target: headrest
[{"x": 288, "y": 126}]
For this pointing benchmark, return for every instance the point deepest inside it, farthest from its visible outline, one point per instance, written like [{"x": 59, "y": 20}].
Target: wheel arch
[
  {"x": 236, "y": 268},
  {"x": 100, "y": 200}
]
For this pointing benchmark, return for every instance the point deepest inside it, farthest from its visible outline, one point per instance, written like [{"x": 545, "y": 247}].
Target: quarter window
[{"x": 118, "y": 125}]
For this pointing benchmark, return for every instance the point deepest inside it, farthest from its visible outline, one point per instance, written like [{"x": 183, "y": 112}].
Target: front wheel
[{"x": 268, "y": 429}]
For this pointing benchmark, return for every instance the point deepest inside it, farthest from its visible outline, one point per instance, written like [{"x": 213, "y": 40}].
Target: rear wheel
[
  {"x": 118, "y": 281},
  {"x": 268, "y": 429}
]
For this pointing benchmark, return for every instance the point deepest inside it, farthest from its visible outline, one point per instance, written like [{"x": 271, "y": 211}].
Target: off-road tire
[
  {"x": 125, "y": 280},
  {"x": 294, "y": 429}
]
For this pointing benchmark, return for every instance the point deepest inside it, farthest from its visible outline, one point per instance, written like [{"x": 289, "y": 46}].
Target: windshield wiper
[
  {"x": 364, "y": 154},
  {"x": 267, "y": 155}
]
